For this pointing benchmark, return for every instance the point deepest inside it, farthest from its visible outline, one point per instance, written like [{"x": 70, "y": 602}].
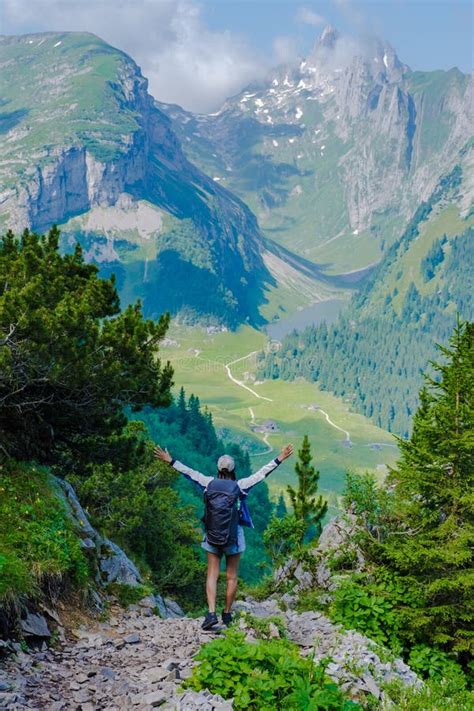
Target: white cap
[{"x": 226, "y": 462}]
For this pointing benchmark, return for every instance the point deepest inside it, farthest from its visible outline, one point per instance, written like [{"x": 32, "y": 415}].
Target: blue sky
[
  {"x": 427, "y": 34},
  {"x": 196, "y": 53}
]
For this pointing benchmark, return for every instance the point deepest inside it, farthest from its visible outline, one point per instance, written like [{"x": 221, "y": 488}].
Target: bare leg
[
  {"x": 232, "y": 569},
  {"x": 213, "y": 570}
]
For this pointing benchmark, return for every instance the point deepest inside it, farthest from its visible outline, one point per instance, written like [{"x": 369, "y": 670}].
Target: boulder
[
  {"x": 34, "y": 625},
  {"x": 116, "y": 567},
  {"x": 172, "y": 608}
]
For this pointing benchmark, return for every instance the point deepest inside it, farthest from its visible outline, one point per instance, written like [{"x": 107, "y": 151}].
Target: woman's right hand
[{"x": 162, "y": 454}]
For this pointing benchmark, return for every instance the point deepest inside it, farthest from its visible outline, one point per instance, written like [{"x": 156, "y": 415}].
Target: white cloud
[
  {"x": 309, "y": 17},
  {"x": 285, "y": 49},
  {"x": 185, "y": 61}
]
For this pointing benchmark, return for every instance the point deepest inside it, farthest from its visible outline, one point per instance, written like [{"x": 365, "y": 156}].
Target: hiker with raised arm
[{"x": 226, "y": 513}]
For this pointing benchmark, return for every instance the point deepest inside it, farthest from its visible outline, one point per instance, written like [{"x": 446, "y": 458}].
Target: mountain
[
  {"x": 84, "y": 145},
  {"x": 335, "y": 153},
  {"x": 374, "y": 355}
]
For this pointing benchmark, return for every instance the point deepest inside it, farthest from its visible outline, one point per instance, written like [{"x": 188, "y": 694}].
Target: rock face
[
  {"x": 114, "y": 565},
  {"x": 336, "y": 539},
  {"x": 83, "y": 133},
  {"x": 338, "y": 149}
]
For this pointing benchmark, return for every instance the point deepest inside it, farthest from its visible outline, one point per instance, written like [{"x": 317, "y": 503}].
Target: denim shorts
[{"x": 232, "y": 549}]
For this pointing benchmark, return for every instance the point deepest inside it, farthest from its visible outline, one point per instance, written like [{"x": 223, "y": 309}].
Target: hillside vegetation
[{"x": 375, "y": 353}]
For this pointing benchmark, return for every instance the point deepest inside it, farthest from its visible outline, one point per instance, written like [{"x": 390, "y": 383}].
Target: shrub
[
  {"x": 37, "y": 541},
  {"x": 262, "y": 626},
  {"x": 434, "y": 695},
  {"x": 282, "y": 538},
  {"x": 429, "y": 662},
  {"x": 128, "y": 594},
  {"x": 310, "y": 600},
  {"x": 368, "y": 611},
  {"x": 265, "y": 676}
]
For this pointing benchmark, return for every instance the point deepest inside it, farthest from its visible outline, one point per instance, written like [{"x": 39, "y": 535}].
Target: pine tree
[
  {"x": 182, "y": 411},
  {"x": 434, "y": 484},
  {"x": 70, "y": 360},
  {"x": 281, "y": 510},
  {"x": 306, "y": 507}
]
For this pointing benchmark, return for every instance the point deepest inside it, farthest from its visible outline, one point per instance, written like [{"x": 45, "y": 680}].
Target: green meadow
[{"x": 348, "y": 441}]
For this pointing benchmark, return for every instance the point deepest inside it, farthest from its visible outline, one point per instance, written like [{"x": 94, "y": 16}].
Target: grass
[
  {"x": 205, "y": 375},
  {"x": 406, "y": 268},
  {"x": 37, "y": 541},
  {"x": 58, "y": 111}
]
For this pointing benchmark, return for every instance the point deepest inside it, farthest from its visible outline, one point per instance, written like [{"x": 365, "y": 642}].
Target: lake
[{"x": 322, "y": 311}]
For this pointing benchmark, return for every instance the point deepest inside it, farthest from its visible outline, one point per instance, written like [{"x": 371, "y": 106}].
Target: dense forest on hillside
[{"x": 374, "y": 355}]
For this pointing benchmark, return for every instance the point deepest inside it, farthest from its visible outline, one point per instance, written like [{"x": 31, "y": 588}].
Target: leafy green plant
[
  {"x": 366, "y": 611},
  {"x": 429, "y": 662},
  {"x": 345, "y": 560},
  {"x": 265, "y": 676},
  {"x": 283, "y": 538},
  {"x": 309, "y": 600},
  {"x": 262, "y": 626},
  {"x": 434, "y": 695}
]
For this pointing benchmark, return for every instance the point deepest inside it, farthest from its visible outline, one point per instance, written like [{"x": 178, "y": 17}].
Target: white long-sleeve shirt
[{"x": 245, "y": 484}]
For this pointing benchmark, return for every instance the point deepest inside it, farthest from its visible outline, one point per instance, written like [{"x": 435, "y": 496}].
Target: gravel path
[{"x": 134, "y": 661}]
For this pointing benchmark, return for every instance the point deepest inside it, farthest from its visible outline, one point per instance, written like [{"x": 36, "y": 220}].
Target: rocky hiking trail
[{"x": 137, "y": 660}]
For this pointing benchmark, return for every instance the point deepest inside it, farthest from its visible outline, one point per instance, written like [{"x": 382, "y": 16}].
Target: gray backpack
[{"x": 221, "y": 515}]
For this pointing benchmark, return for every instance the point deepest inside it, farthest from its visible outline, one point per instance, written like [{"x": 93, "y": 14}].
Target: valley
[{"x": 220, "y": 369}]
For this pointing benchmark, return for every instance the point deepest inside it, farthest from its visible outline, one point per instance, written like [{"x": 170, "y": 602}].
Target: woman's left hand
[{"x": 286, "y": 452}]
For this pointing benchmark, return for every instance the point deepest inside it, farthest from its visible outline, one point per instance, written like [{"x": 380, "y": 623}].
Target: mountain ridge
[
  {"x": 333, "y": 154},
  {"x": 87, "y": 137}
]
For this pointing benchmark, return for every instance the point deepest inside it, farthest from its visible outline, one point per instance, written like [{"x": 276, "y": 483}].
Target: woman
[{"x": 234, "y": 549}]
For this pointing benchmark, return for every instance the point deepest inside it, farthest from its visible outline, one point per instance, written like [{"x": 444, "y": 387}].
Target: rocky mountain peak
[{"x": 328, "y": 37}]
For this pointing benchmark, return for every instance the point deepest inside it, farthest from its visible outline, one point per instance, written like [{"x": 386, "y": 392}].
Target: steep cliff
[{"x": 80, "y": 136}]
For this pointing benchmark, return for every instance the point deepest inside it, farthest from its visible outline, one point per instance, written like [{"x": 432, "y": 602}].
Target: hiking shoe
[
  {"x": 209, "y": 621},
  {"x": 227, "y": 618}
]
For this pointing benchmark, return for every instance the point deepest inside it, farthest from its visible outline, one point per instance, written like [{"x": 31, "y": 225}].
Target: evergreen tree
[
  {"x": 182, "y": 411},
  {"x": 281, "y": 510},
  {"x": 433, "y": 487},
  {"x": 70, "y": 360},
  {"x": 306, "y": 507}
]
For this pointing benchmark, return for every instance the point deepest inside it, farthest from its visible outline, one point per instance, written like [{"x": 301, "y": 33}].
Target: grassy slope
[
  {"x": 62, "y": 107},
  {"x": 37, "y": 542},
  {"x": 445, "y": 220},
  {"x": 205, "y": 375}
]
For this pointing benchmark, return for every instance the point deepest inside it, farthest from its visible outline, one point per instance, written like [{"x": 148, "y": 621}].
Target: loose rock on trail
[{"x": 135, "y": 660}]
